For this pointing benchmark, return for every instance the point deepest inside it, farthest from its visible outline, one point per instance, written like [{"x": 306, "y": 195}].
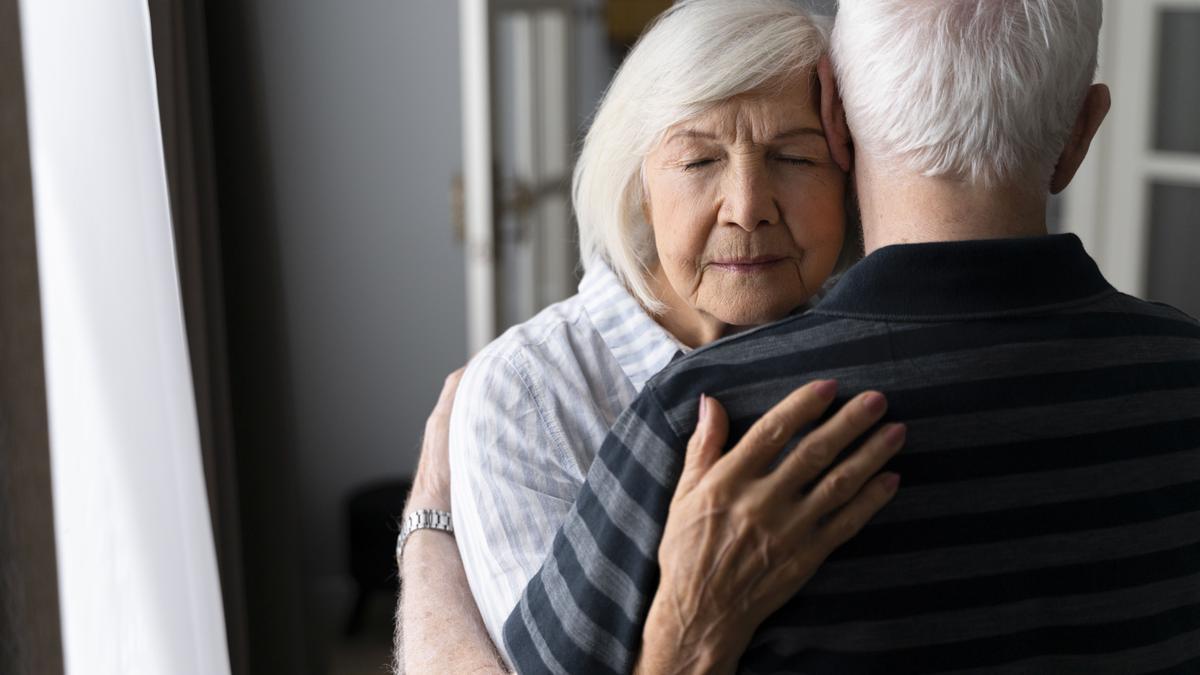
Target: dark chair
[{"x": 373, "y": 513}]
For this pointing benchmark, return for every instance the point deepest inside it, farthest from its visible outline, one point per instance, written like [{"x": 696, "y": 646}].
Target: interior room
[{"x": 244, "y": 243}]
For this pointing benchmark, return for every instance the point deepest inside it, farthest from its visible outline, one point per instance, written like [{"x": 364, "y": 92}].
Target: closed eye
[
  {"x": 698, "y": 164},
  {"x": 797, "y": 161}
]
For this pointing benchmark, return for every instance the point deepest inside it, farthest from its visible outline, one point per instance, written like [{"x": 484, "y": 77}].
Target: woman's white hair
[
  {"x": 985, "y": 91},
  {"x": 694, "y": 56}
]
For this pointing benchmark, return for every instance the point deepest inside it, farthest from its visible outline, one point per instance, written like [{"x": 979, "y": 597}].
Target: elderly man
[{"x": 1050, "y": 519}]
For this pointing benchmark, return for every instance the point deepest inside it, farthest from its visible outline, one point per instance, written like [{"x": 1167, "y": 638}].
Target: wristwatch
[{"x": 423, "y": 519}]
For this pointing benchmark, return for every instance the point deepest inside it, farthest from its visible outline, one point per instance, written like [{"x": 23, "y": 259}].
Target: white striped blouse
[{"x": 531, "y": 412}]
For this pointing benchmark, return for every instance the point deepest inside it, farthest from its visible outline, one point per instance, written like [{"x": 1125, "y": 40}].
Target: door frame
[
  {"x": 538, "y": 195},
  {"x": 1108, "y": 203}
]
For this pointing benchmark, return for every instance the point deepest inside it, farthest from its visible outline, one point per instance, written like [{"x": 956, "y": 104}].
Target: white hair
[
  {"x": 984, "y": 91},
  {"x": 696, "y": 55}
]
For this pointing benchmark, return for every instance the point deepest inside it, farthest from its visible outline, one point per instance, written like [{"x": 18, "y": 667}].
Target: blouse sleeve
[
  {"x": 513, "y": 483},
  {"x": 584, "y": 610}
]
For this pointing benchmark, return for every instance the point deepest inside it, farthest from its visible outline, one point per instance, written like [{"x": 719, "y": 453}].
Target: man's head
[{"x": 987, "y": 92}]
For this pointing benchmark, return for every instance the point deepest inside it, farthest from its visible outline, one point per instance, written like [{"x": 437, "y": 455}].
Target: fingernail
[
  {"x": 891, "y": 481},
  {"x": 896, "y": 434},
  {"x": 875, "y": 403},
  {"x": 826, "y": 389},
  {"x": 703, "y": 408}
]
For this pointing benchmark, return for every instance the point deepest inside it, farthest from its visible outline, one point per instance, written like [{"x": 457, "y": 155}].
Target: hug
[{"x": 830, "y": 398}]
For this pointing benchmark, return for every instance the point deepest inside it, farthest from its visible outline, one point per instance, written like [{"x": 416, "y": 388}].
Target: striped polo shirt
[{"x": 1049, "y": 515}]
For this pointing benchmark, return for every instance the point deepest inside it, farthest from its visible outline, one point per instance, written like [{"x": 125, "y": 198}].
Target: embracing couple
[{"x": 764, "y": 438}]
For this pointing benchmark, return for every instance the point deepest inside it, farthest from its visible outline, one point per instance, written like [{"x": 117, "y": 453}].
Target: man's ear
[
  {"x": 1095, "y": 107},
  {"x": 833, "y": 116}
]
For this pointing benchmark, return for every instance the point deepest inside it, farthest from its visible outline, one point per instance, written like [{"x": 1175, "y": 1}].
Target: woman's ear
[
  {"x": 833, "y": 116},
  {"x": 645, "y": 196}
]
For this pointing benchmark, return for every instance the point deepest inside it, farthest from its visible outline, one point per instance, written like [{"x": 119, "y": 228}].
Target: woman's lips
[{"x": 747, "y": 265}]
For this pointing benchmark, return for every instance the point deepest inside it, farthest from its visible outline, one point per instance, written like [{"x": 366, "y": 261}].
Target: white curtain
[{"x": 137, "y": 572}]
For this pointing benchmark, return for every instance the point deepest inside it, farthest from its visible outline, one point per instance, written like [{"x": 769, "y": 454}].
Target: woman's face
[{"x": 747, "y": 211}]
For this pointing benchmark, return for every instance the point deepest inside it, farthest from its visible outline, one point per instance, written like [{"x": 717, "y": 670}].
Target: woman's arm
[
  {"x": 736, "y": 535},
  {"x": 741, "y": 539},
  {"x": 438, "y": 627}
]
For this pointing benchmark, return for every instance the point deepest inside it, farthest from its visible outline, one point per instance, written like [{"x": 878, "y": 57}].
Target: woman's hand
[
  {"x": 742, "y": 538},
  {"x": 431, "y": 485}
]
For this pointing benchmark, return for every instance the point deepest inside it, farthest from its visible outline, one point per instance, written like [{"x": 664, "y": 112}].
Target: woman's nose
[{"x": 749, "y": 199}]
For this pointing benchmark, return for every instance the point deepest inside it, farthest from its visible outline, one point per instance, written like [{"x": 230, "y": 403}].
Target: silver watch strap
[{"x": 423, "y": 519}]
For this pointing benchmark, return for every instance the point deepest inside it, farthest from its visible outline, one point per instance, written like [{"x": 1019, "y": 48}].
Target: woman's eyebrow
[
  {"x": 692, "y": 133},
  {"x": 798, "y": 131},
  {"x": 782, "y": 136}
]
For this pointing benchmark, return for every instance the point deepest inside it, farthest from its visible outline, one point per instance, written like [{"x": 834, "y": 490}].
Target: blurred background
[
  {"x": 392, "y": 181},
  {"x": 365, "y": 192}
]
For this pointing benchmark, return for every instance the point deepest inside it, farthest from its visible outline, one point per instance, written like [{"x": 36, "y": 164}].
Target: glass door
[
  {"x": 518, "y": 129},
  {"x": 1136, "y": 203}
]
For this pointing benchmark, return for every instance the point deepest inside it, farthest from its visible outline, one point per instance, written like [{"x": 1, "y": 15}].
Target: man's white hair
[
  {"x": 985, "y": 91},
  {"x": 694, "y": 56}
]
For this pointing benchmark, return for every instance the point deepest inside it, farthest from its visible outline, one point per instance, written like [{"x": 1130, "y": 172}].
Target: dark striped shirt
[{"x": 1049, "y": 516}]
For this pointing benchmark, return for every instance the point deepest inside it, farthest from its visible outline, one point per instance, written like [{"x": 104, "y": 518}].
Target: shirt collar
[
  {"x": 967, "y": 279},
  {"x": 640, "y": 345}
]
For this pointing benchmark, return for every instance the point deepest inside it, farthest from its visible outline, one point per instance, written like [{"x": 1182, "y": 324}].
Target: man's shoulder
[
  {"x": 1139, "y": 319},
  {"x": 815, "y": 343},
  {"x": 751, "y": 344},
  {"x": 1153, "y": 310},
  {"x": 790, "y": 347}
]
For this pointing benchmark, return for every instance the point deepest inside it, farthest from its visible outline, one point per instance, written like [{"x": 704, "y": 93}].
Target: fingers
[
  {"x": 847, "y": 479},
  {"x": 439, "y": 417},
  {"x": 431, "y": 484},
  {"x": 822, "y": 445},
  {"x": 848, "y": 521},
  {"x": 761, "y": 445},
  {"x": 450, "y": 387},
  {"x": 704, "y": 447}
]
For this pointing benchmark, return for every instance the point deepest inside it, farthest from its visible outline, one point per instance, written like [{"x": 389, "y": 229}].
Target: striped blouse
[{"x": 530, "y": 414}]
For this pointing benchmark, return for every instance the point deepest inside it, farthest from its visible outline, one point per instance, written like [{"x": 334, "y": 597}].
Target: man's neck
[{"x": 902, "y": 208}]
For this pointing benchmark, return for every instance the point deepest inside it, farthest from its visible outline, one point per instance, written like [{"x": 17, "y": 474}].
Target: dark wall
[
  {"x": 259, "y": 380},
  {"x": 30, "y": 635}
]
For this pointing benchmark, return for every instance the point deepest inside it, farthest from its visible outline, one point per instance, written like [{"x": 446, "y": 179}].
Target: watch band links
[{"x": 423, "y": 519}]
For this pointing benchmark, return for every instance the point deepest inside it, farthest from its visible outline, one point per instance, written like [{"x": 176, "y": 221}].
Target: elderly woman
[{"x": 708, "y": 202}]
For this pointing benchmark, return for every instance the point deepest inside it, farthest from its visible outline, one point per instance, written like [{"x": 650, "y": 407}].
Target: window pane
[
  {"x": 1175, "y": 246},
  {"x": 1178, "y": 129}
]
